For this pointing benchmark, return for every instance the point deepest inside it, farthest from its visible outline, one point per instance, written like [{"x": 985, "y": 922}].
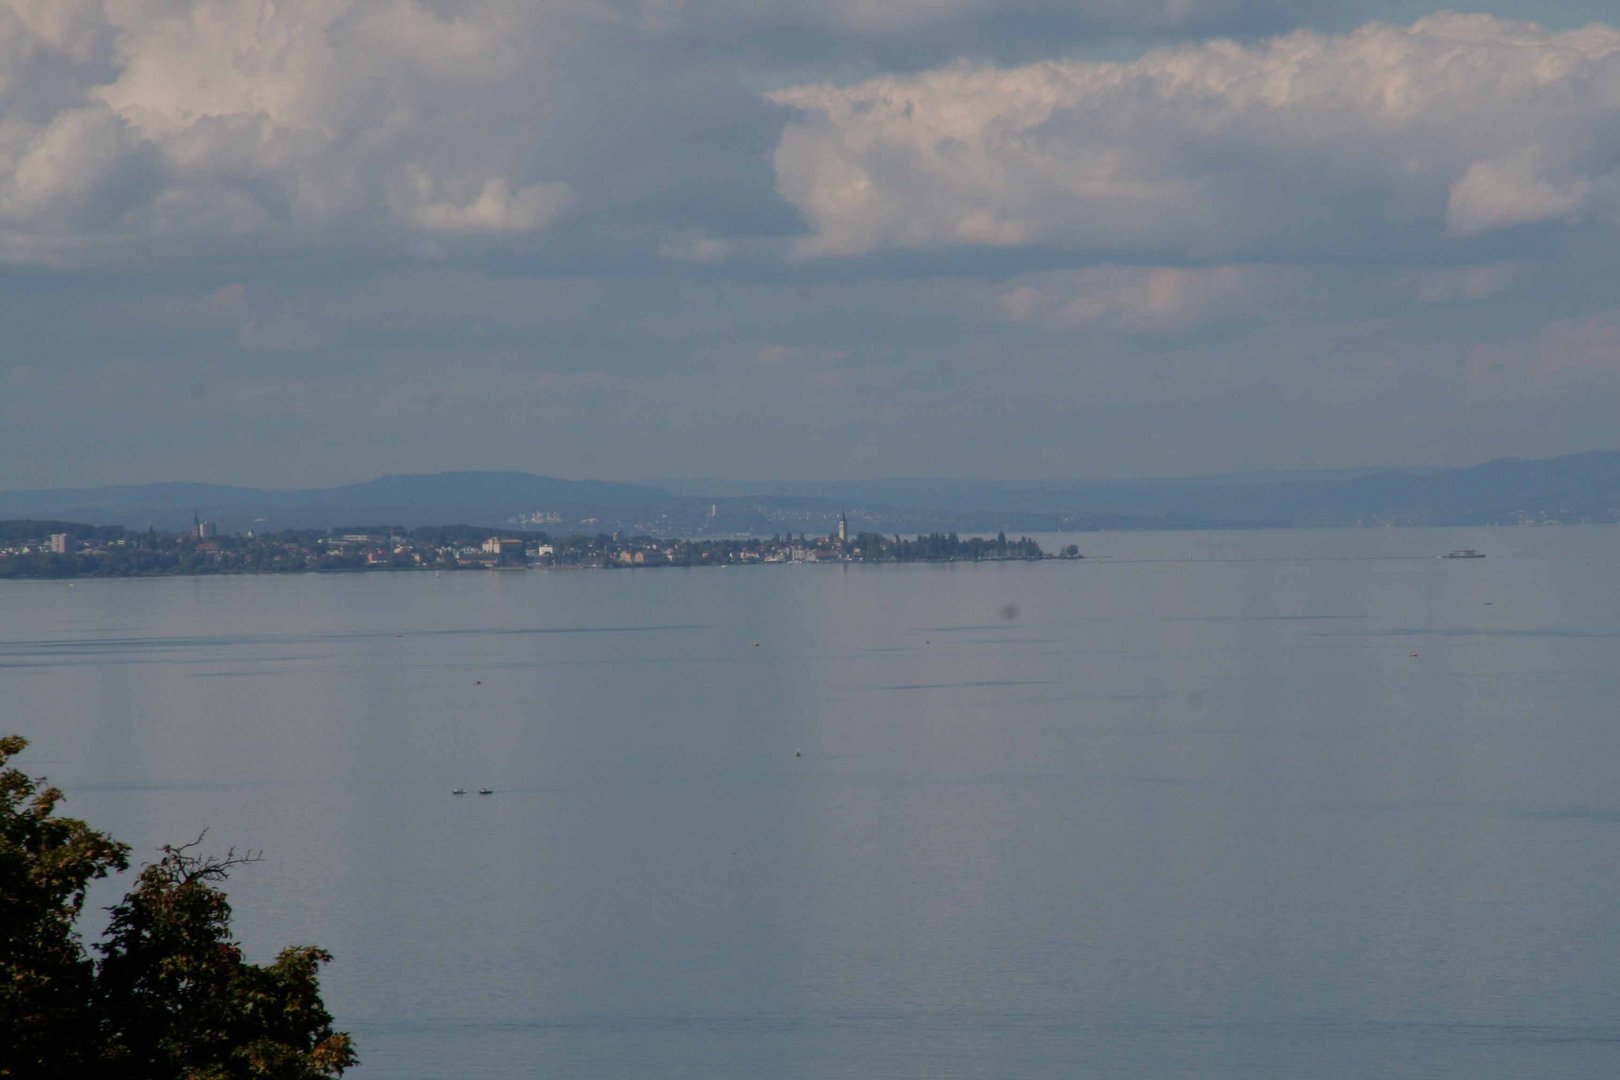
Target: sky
[{"x": 299, "y": 243}]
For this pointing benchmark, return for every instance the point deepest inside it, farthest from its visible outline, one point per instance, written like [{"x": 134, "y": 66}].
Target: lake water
[{"x": 1288, "y": 804}]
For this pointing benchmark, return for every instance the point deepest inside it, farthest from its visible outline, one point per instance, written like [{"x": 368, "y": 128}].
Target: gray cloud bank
[
  {"x": 178, "y": 127},
  {"x": 331, "y": 240},
  {"x": 184, "y": 127}
]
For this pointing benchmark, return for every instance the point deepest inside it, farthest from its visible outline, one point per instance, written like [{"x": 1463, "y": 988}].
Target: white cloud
[
  {"x": 1512, "y": 191},
  {"x": 1309, "y": 144},
  {"x": 171, "y": 125},
  {"x": 1112, "y": 299},
  {"x": 495, "y": 209},
  {"x": 69, "y": 163},
  {"x": 1145, "y": 299}
]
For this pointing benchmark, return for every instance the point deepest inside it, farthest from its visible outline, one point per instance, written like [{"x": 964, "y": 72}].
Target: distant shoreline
[
  {"x": 33, "y": 553},
  {"x": 411, "y": 572},
  {"x": 158, "y": 575}
]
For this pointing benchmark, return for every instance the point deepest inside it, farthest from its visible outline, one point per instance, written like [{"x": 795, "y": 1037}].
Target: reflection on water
[{"x": 1231, "y": 805}]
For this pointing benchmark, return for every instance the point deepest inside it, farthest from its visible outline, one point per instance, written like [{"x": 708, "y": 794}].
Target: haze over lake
[{"x": 1308, "y": 803}]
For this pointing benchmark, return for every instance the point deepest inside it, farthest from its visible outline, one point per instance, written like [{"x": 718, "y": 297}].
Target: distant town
[{"x": 54, "y": 549}]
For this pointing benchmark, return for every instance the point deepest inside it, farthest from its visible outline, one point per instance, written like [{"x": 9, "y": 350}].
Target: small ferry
[{"x": 1464, "y": 553}]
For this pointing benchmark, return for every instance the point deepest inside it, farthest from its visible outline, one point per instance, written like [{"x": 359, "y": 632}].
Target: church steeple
[{"x": 843, "y": 528}]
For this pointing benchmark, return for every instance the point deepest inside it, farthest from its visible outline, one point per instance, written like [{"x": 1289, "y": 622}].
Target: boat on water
[
  {"x": 458, "y": 791},
  {"x": 1464, "y": 553},
  {"x": 485, "y": 791}
]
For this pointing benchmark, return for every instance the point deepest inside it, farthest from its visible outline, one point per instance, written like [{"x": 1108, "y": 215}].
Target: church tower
[{"x": 843, "y": 528}]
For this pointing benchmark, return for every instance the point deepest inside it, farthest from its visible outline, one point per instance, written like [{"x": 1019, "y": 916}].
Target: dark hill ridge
[
  {"x": 485, "y": 487},
  {"x": 1579, "y": 487},
  {"x": 488, "y": 498}
]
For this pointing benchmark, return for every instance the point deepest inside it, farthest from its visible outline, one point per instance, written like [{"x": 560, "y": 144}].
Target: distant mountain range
[
  {"x": 1577, "y": 488},
  {"x": 480, "y": 498}
]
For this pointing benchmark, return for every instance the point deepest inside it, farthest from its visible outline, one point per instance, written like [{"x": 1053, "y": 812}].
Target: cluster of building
[
  {"x": 204, "y": 549},
  {"x": 423, "y": 549},
  {"x": 61, "y": 543}
]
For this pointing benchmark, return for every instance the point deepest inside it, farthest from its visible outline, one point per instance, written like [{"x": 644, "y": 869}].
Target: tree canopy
[{"x": 169, "y": 995}]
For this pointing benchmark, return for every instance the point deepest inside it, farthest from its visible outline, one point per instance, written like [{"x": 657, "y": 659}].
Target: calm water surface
[{"x": 1295, "y": 804}]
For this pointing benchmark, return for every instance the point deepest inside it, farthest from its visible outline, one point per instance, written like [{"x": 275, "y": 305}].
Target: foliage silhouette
[{"x": 171, "y": 996}]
